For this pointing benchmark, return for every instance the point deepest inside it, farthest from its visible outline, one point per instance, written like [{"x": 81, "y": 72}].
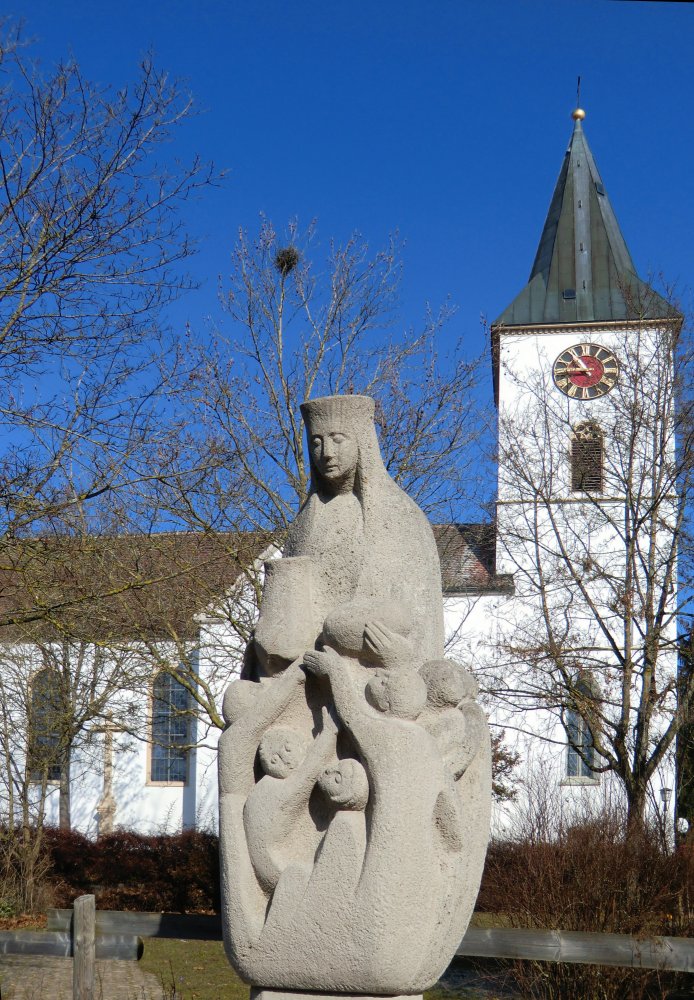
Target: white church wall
[
  {"x": 223, "y": 635},
  {"x": 140, "y": 804},
  {"x": 477, "y": 628}
]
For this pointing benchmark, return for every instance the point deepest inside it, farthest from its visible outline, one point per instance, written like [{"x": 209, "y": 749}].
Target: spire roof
[{"x": 583, "y": 271}]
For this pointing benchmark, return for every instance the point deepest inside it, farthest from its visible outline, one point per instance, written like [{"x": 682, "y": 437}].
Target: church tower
[{"x": 587, "y": 513}]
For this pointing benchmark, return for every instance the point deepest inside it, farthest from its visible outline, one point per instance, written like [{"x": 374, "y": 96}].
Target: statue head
[
  {"x": 401, "y": 693},
  {"x": 345, "y": 784},
  {"x": 239, "y": 698},
  {"x": 340, "y": 432},
  {"x": 448, "y": 683},
  {"x": 281, "y": 750}
]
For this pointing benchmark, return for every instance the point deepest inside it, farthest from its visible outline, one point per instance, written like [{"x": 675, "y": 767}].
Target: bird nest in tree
[{"x": 286, "y": 260}]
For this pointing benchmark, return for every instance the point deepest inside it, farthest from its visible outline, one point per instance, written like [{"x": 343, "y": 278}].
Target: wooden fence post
[{"x": 84, "y": 947}]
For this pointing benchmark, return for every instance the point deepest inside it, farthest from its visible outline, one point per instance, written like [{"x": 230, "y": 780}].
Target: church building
[{"x": 565, "y": 607}]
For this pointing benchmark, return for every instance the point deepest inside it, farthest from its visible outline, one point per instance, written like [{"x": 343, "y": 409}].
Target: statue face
[
  {"x": 345, "y": 784},
  {"x": 333, "y": 782},
  {"x": 377, "y": 691},
  {"x": 281, "y": 751},
  {"x": 334, "y": 453},
  {"x": 401, "y": 693}
]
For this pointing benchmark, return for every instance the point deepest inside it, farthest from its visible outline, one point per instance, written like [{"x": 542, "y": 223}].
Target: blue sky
[{"x": 444, "y": 120}]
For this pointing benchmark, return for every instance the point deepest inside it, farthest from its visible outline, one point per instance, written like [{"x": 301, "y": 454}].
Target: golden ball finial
[{"x": 578, "y": 115}]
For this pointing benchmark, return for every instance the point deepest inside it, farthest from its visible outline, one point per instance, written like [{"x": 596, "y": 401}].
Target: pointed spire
[{"x": 583, "y": 271}]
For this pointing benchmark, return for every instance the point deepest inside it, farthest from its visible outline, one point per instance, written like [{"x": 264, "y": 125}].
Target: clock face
[{"x": 585, "y": 371}]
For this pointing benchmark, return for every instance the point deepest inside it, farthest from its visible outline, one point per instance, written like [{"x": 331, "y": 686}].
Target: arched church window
[
  {"x": 170, "y": 730},
  {"x": 43, "y": 742},
  {"x": 581, "y": 755},
  {"x": 587, "y": 447}
]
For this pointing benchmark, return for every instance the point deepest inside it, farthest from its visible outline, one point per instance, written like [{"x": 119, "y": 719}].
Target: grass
[{"x": 199, "y": 970}]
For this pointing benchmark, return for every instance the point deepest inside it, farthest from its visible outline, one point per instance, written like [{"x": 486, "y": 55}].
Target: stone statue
[{"x": 354, "y": 772}]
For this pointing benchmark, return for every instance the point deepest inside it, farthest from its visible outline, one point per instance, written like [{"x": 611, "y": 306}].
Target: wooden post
[{"x": 84, "y": 947}]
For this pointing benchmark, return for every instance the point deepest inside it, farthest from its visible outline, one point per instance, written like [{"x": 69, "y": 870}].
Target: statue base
[{"x": 258, "y": 993}]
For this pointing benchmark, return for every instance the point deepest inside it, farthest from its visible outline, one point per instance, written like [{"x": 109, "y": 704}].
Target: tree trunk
[
  {"x": 64, "y": 800},
  {"x": 636, "y": 811}
]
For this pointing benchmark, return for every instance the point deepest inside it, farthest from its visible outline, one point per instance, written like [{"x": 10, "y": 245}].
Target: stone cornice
[{"x": 554, "y": 328}]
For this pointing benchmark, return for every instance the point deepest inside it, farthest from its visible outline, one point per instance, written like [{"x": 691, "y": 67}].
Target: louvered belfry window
[{"x": 587, "y": 458}]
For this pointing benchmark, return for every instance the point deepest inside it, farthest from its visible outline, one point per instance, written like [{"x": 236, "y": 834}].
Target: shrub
[
  {"x": 128, "y": 871},
  {"x": 23, "y": 868},
  {"x": 588, "y": 875}
]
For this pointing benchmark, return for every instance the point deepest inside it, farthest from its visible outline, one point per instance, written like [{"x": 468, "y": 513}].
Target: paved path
[{"x": 33, "y": 977}]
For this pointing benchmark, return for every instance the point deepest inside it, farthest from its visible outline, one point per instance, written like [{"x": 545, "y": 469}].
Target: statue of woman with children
[{"x": 355, "y": 767}]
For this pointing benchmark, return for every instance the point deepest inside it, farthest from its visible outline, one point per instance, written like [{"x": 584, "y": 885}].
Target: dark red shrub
[{"x": 128, "y": 871}]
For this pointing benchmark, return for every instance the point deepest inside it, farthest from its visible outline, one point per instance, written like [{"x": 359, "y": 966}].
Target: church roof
[
  {"x": 125, "y": 587},
  {"x": 467, "y": 553},
  {"x": 583, "y": 271},
  {"x": 156, "y": 587}
]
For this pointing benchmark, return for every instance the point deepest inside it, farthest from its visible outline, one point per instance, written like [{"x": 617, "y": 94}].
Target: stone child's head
[
  {"x": 448, "y": 683},
  {"x": 401, "y": 693},
  {"x": 281, "y": 750},
  {"x": 239, "y": 698},
  {"x": 345, "y": 784}
]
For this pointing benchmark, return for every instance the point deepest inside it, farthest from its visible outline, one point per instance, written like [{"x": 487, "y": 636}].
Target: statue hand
[
  {"x": 317, "y": 662},
  {"x": 322, "y": 662},
  {"x": 329, "y": 722},
  {"x": 390, "y": 648}
]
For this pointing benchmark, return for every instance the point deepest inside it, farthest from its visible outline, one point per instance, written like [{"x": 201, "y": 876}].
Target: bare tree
[
  {"x": 236, "y": 469},
  {"x": 56, "y": 699},
  {"x": 593, "y": 522},
  {"x": 297, "y": 330},
  {"x": 110, "y": 434},
  {"x": 91, "y": 248}
]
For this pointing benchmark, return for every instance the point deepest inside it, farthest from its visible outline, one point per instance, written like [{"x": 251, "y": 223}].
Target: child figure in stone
[
  {"x": 277, "y": 806},
  {"x": 452, "y": 716},
  {"x": 329, "y": 884},
  {"x": 250, "y": 708},
  {"x": 341, "y": 854},
  {"x": 401, "y": 871}
]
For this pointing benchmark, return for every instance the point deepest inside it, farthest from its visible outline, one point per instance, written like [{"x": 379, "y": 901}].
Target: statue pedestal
[{"x": 261, "y": 994}]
